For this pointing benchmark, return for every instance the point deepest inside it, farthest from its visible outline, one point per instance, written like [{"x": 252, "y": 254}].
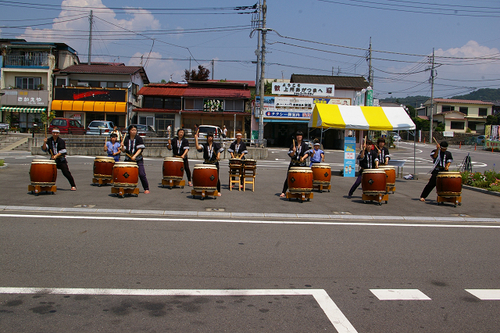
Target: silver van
[{"x": 204, "y": 129}]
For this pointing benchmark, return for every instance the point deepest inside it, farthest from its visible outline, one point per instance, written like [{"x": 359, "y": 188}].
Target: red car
[{"x": 67, "y": 126}]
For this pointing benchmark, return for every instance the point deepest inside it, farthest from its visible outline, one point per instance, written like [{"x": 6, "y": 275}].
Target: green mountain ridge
[{"x": 485, "y": 95}]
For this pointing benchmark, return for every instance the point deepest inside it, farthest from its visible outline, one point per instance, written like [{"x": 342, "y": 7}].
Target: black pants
[
  {"x": 186, "y": 168},
  {"x": 218, "y": 175},
  {"x": 63, "y": 166},
  {"x": 430, "y": 185},
  {"x": 356, "y": 183}
]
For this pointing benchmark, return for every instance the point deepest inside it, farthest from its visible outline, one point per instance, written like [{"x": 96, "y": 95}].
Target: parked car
[
  {"x": 100, "y": 127},
  {"x": 67, "y": 126},
  {"x": 481, "y": 140},
  {"x": 143, "y": 130},
  {"x": 204, "y": 129},
  {"x": 4, "y": 127},
  {"x": 395, "y": 136}
]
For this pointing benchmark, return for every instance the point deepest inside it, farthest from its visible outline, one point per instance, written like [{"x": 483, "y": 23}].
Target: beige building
[{"x": 460, "y": 116}]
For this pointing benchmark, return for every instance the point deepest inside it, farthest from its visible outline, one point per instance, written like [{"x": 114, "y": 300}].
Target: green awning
[{"x": 21, "y": 109}]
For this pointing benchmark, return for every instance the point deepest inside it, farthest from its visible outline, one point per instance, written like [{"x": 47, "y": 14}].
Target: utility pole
[
  {"x": 370, "y": 69},
  {"x": 257, "y": 24},
  {"x": 91, "y": 21},
  {"x": 262, "y": 74},
  {"x": 213, "y": 70},
  {"x": 432, "y": 95}
]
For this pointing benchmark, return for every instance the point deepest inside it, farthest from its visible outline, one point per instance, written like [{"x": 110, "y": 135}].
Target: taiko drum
[
  {"x": 103, "y": 167},
  {"x": 322, "y": 173},
  {"x": 173, "y": 168},
  {"x": 235, "y": 162},
  {"x": 125, "y": 174},
  {"x": 374, "y": 181},
  {"x": 300, "y": 180},
  {"x": 449, "y": 184},
  {"x": 205, "y": 177},
  {"x": 249, "y": 163},
  {"x": 390, "y": 171},
  {"x": 43, "y": 172}
]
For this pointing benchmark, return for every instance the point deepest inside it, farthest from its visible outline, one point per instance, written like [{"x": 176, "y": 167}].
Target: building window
[
  {"x": 172, "y": 103},
  {"x": 464, "y": 110},
  {"x": 116, "y": 84},
  {"x": 446, "y": 108},
  {"x": 60, "y": 82},
  {"x": 193, "y": 104},
  {"x": 483, "y": 112},
  {"x": 153, "y": 102},
  {"x": 234, "y": 105},
  {"x": 28, "y": 82},
  {"x": 457, "y": 125}
]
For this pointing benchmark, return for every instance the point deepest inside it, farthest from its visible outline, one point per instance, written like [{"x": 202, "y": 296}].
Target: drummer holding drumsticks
[
  {"x": 57, "y": 149},
  {"x": 211, "y": 153},
  {"x": 133, "y": 145},
  {"x": 317, "y": 155},
  {"x": 442, "y": 160},
  {"x": 180, "y": 146},
  {"x": 298, "y": 153},
  {"x": 368, "y": 159}
]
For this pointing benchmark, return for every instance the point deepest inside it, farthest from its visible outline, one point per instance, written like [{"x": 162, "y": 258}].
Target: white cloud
[{"x": 157, "y": 68}]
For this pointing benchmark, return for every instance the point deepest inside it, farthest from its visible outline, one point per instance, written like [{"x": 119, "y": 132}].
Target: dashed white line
[
  {"x": 400, "y": 295},
  {"x": 485, "y": 294}
]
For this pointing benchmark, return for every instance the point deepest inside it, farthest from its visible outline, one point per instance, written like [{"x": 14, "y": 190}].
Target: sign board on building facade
[
  {"x": 17, "y": 97},
  {"x": 213, "y": 105},
  {"x": 303, "y": 89},
  {"x": 84, "y": 94}
]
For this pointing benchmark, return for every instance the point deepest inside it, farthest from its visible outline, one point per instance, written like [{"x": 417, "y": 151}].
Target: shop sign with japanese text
[{"x": 303, "y": 89}]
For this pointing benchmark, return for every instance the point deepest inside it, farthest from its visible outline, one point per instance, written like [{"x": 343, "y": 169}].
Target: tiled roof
[
  {"x": 216, "y": 92},
  {"x": 166, "y": 89},
  {"x": 105, "y": 69},
  {"x": 459, "y": 101},
  {"x": 177, "y": 89},
  {"x": 353, "y": 82}
]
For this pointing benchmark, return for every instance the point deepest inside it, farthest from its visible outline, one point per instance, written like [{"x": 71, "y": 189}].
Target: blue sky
[{"x": 317, "y": 37}]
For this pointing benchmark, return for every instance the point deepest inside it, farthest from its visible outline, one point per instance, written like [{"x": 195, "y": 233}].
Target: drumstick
[{"x": 435, "y": 140}]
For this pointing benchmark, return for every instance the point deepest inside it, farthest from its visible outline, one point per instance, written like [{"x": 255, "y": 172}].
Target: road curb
[{"x": 481, "y": 190}]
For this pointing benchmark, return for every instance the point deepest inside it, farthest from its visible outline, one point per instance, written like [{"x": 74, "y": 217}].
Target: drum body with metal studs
[
  {"x": 103, "y": 167},
  {"x": 449, "y": 184},
  {"x": 43, "y": 172},
  {"x": 300, "y": 180},
  {"x": 322, "y": 173},
  {"x": 374, "y": 181},
  {"x": 205, "y": 177},
  {"x": 173, "y": 168},
  {"x": 125, "y": 174}
]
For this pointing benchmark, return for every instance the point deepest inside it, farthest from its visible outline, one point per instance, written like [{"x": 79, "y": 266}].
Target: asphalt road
[{"x": 87, "y": 261}]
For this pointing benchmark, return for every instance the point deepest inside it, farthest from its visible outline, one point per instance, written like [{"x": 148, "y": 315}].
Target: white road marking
[
  {"x": 220, "y": 220},
  {"x": 485, "y": 294},
  {"x": 336, "y": 317},
  {"x": 400, "y": 295}
]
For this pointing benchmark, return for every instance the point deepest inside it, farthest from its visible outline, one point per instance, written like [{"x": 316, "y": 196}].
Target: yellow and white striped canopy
[{"x": 375, "y": 118}]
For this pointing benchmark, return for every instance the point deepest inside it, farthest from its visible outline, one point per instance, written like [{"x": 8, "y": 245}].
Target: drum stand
[
  {"x": 322, "y": 186},
  {"x": 121, "y": 191},
  {"x": 235, "y": 174},
  {"x": 249, "y": 171},
  {"x": 302, "y": 196},
  {"x": 173, "y": 183},
  {"x": 36, "y": 189},
  {"x": 456, "y": 200},
  {"x": 378, "y": 198},
  {"x": 102, "y": 181},
  {"x": 204, "y": 193},
  {"x": 390, "y": 188}
]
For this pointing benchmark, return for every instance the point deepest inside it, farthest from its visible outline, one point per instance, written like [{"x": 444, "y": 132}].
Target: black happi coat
[
  {"x": 132, "y": 146},
  {"x": 238, "y": 149},
  {"x": 179, "y": 146},
  {"x": 302, "y": 149}
]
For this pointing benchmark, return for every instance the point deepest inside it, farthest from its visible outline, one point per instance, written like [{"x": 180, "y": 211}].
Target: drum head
[
  {"x": 173, "y": 159},
  {"x": 126, "y": 165},
  {"x": 42, "y": 161}
]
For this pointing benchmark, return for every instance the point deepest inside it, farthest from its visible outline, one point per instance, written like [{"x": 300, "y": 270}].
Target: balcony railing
[{"x": 33, "y": 60}]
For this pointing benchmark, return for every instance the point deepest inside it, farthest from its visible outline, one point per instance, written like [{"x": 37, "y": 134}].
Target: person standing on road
[
  {"x": 180, "y": 147},
  {"x": 383, "y": 152},
  {"x": 57, "y": 149},
  {"x": 368, "y": 159},
  {"x": 442, "y": 160},
  {"x": 317, "y": 155},
  {"x": 211, "y": 154},
  {"x": 133, "y": 145},
  {"x": 112, "y": 147},
  {"x": 298, "y": 153}
]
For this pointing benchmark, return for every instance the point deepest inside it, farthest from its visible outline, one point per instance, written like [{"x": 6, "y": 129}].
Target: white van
[{"x": 204, "y": 129}]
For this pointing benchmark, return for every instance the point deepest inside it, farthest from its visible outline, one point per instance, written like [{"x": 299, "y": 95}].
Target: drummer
[
  {"x": 57, "y": 149},
  {"x": 112, "y": 147},
  {"x": 317, "y": 155},
  {"x": 238, "y": 148},
  {"x": 368, "y": 159},
  {"x": 211, "y": 153},
  {"x": 299, "y": 151},
  {"x": 442, "y": 160},
  {"x": 133, "y": 145},
  {"x": 181, "y": 149},
  {"x": 383, "y": 152}
]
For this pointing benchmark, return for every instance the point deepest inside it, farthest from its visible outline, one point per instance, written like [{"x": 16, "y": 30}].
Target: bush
[{"x": 490, "y": 180}]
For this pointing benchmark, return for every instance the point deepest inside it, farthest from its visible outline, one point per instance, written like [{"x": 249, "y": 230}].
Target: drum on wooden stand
[
  {"x": 390, "y": 171},
  {"x": 300, "y": 180},
  {"x": 173, "y": 168},
  {"x": 249, "y": 163},
  {"x": 43, "y": 172},
  {"x": 103, "y": 167},
  {"x": 373, "y": 182},
  {"x": 449, "y": 184},
  {"x": 235, "y": 163},
  {"x": 205, "y": 177},
  {"x": 125, "y": 174},
  {"x": 322, "y": 173}
]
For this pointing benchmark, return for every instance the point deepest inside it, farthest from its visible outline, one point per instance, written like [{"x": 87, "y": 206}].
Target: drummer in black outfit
[
  {"x": 133, "y": 145},
  {"x": 181, "y": 148},
  {"x": 368, "y": 159},
  {"x": 383, "y": 152},
  {"x": 238, "y": 148},
  {"x": 57, "y": 149},
  {"x": 211, "y": 154},
  {"x": 299, "y": 151},
  {"x": 442, "y": 160}
]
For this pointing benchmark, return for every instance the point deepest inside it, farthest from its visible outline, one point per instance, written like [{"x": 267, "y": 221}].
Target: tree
[{"x": 202, "y": 74}]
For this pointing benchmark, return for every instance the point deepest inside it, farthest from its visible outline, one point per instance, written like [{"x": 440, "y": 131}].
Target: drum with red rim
[
  {"x": 205, "y": 177},
  {"x": 125, "y": 174},
  {"x": 374, "y": 181},
  {"x": 300, "y": 180},
  {"x": 173, "y": 168},
  {"x": 43, "y": 172}
]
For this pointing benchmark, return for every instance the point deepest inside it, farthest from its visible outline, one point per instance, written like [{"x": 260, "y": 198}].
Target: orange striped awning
[{"x": 89, "y": 106}]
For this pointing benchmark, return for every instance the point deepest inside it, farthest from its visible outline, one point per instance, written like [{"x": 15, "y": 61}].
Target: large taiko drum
[
  {"x": 300, "y": 180},
  {"x": 374, "y": 181},
  {"x": 43, "y": 172},
  {"x": 103, "y": 167},
  {"x": 205, "y": 177},
  {"x": 125, "y": 174},
  {"x": 235, "y": 163},
  {"x": 449, "y": 184},
  {"x": 390, "y": 171},
  {"x": 322, "y": 173},
  {"x": 249, "y": 163},
  {"x": 173, "y": 168}
]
